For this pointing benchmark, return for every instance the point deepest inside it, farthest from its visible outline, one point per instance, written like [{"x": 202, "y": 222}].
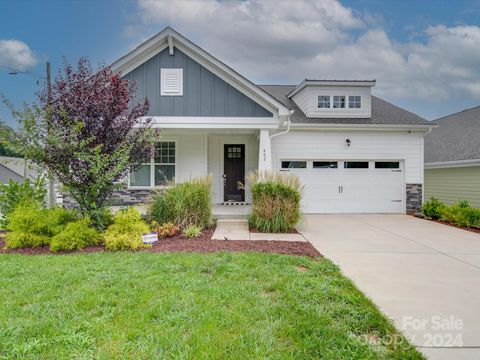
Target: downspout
[{"x": 288, "y": 126}]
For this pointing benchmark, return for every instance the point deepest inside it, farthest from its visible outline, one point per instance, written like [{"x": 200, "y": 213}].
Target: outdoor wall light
[{"x": 348, "y": 141}]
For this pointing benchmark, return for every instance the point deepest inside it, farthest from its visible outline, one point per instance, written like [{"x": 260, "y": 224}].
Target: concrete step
[
  {"x": 231, "y": 229},
  {"x": 233, "y": 223}
]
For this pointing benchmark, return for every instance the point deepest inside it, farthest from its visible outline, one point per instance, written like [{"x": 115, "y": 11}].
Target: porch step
[
  {"x": 231, "y": 212},
  {"x": 231, "y": 229}
]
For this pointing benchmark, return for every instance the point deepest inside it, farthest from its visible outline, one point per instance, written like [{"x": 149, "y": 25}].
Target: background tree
[{"x": 86, "y": 132}]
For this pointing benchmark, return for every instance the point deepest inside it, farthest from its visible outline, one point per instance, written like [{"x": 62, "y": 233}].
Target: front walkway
[{"x": 423, "y": 275}]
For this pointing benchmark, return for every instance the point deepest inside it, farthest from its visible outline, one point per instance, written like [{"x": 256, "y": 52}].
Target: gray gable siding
[{"x": 204, "y": 93}]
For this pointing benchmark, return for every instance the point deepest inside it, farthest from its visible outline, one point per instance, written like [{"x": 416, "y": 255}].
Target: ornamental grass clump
[
  {"x": 276, "y": 201},
  {"x": 184, "y": 204},
  {"x": 126, "y": 231}
]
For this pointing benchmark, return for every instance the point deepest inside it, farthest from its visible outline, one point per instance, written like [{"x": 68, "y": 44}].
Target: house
[
  {"x": 452, "y": 158},
  {"x": 354, "y": 152},
  {"x": 13, "y": 168}
]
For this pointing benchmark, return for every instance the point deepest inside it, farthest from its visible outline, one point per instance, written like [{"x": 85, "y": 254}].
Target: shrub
[
  {"x": 75, "y": 236},
  {"x": 30, "y": 226},
  {"x": 14, "y": 193},
  {"x": 276, "y": 201},
  {"x": 192, "y": 231},
  {"x": 165, "y": 230},
  {"x": 432, "y": 209},
  {"x": 126, "y": 231},
  {"x": 462, "y": 214},
  {"x": 184, "y": 204}
]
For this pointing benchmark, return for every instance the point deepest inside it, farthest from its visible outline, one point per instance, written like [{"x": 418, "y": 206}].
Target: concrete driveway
[{"x": 423, "y": 275}]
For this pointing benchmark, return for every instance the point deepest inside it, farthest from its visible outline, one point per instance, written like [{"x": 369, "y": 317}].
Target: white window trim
[
  {"x": 344, "y": 101},
  {"x": 329, "y": 101},
  {"x": 359, "y": 96},
  {"x": 152, "y": 164},
  {"x": 163, "y": 72}
]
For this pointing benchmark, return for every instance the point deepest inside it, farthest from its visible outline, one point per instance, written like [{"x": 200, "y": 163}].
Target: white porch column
[{"x": 265, "y": 151}]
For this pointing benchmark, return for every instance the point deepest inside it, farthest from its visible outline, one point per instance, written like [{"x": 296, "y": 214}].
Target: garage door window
[
  {"x": 325, "y": 164},
  {"x": 294, "y": 164},
  {"x": 355, "y": 164},
  {"x": 387, "y": 165}
]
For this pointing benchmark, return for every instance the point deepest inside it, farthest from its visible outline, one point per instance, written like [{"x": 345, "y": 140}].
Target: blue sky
[{"x": 425, "y": 55}]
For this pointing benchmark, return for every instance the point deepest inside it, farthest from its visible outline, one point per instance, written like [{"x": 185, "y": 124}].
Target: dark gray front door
[{"x": 234, "y": 172}]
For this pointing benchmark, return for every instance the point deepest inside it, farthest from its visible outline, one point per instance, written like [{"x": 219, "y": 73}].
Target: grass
[{"x": 186, "y": 306}]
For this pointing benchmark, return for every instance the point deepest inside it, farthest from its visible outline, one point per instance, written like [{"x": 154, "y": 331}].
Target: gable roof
[
  {"x": 383, "y": 112},
  {"x": 457, "y": 138},
  {"x": 170, "y": 38},
  {"x": 17, "y": 166}
]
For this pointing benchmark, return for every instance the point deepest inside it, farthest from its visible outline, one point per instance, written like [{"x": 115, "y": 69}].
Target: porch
[{"x": 227, "y": 155}]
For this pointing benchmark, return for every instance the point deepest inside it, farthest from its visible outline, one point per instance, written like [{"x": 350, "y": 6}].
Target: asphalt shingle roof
[
  {"x": 456, "y": 138},
  {"x": 383, "y": 112}
]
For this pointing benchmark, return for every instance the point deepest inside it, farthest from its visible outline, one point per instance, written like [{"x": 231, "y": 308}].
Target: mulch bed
[
  {"x": 474, "y": 230},
  {"x": 202, "y": 244}
]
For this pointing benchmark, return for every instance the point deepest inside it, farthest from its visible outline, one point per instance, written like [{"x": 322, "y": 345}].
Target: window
[
  {"x": 234, "y": 152},
  {"x": 355, "y": 164},
  {"x": 354, "y": 102},
  {"x": 294, "y": 164},
  {"x": 171, "y": 82},
  {"x": 339, "y": 102},
  {"x": 325, "y": 164},
  {"x": 324, "y": 101},
  {"x": 387, "y": 165},
  {"x": 160, "y": 170}
]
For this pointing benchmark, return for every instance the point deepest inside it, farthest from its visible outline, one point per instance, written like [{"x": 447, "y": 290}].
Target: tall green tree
[{"x": 87, "y": 132}]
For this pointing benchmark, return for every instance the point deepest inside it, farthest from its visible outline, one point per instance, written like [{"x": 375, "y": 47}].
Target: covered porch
[{"x": 227, "y": 155}]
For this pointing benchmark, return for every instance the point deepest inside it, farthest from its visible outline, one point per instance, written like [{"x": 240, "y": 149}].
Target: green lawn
[{"x": 186, "y": 306}]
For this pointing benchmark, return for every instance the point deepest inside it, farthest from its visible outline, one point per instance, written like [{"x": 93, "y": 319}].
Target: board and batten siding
[
  {"x": 369, "y": 145},
  {"x": 454, "y": 184},
  {"x": 204, "y": 93}
]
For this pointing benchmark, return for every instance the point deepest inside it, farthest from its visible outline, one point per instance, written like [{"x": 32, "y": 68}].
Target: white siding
[
  {"x": 369, "y": 145},
  {"x": 307, "y": 100}
]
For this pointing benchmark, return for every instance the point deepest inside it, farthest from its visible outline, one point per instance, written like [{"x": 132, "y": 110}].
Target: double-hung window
[
  {"x": 354, "y": 102},
  {"x": 339, "y": 102},
  {"x": 324, "y": 102},
  {"x": 159, "y": 170}
]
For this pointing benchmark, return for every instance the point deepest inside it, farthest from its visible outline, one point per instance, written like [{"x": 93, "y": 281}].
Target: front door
[{"x": 234, "y": 172}]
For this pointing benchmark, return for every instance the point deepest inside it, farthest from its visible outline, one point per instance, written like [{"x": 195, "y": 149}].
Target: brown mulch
[
  {"x": 474, "y": 230},
  {"x": 202, "y": 244}
]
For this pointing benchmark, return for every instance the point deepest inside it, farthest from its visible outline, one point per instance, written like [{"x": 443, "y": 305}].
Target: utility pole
[{"x": 51, "y": 180}]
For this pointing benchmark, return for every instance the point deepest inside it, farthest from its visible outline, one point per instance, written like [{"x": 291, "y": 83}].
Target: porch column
[{"x": 265, "y": 151}]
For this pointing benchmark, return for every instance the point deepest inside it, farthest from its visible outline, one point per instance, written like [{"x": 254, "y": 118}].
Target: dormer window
[
  {"x": 339, "y": 102},
  {"x": 354, "y": 102},
  {"x": 324, "y": 101}
]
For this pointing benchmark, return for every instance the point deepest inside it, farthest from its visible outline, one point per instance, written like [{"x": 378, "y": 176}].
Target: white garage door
[{"x": 353, "y": 186}]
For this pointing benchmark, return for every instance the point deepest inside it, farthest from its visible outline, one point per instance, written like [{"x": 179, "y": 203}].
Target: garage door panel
[{"x": 340, "y": 190}]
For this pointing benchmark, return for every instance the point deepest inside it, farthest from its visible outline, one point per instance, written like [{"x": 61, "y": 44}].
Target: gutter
[
  {"x": 452, "y": 164},
  {"x": 288, "y": 126}
]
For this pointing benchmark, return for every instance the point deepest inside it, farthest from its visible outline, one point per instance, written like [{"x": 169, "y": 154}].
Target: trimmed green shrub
[
  {"x": 432, "y": 209},
  {"x": 126, "y": 231},
  {"x": 276, "y": 201},
  {"x": 461, "y": 214},
  {"x": 75, "y": 236},
  {"x": 30, "y": 226},
  {"x": 192, "y": 231},
  {"x": 14, "y": 193},
  {"x": 184, "y": 204}
]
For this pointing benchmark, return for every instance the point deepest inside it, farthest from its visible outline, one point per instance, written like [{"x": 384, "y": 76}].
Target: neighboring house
[
  {"x": 354, "y": 152},
  {"x": 452, "y": 158},
  {"x": 12, "y": 168}
]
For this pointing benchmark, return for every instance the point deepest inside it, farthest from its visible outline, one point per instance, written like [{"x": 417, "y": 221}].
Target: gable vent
[{"x": 171, "y": 82}]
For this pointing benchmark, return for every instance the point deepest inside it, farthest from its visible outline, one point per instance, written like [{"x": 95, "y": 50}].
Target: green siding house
[{"x": 452, "y": 158}]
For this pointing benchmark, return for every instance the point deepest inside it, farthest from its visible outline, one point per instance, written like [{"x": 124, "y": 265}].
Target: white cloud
[
  {"x": 15, "y": 54},
  {"x": 286, "y": 41}
]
